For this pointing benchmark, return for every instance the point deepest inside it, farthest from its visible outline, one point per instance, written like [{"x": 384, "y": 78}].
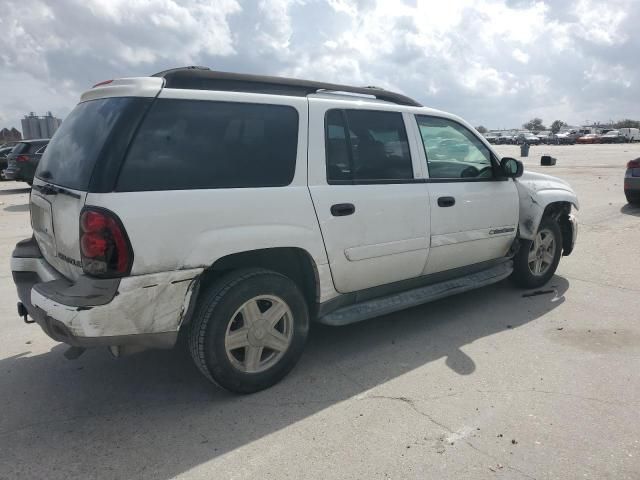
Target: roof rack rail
[{"x": 202, "y": 78}]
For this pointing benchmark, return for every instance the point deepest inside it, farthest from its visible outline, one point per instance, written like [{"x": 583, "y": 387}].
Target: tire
[
  {"x": 236, "y": 361},
  {"x": 633, "y": 198},
  {"x": 524, "y": 274}
]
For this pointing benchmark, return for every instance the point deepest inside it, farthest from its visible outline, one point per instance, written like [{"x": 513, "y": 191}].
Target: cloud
[{"x": 495, "y": 62}]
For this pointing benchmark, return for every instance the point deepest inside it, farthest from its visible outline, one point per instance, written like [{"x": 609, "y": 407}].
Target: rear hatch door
[
  {"x": 84, "y": 155},
  {"x": 54, "y": 219}
]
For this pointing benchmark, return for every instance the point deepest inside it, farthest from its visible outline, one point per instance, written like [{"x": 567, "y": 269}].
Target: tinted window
[
  {"x": 76, "y": 146},
  {"x": 452, "y": 150},
  {"x": 366, "y": 146},
  {"x": 20, "y": 148},
  {"x": 189, "y": 144}
]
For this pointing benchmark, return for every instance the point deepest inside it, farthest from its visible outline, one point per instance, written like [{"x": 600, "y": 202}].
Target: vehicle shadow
[
  {"x": 153, "y": 416},
  {"x": 628, "y": 209},
  {"x": 17, "y": 208},
  {"x": 14, "y": 191}
]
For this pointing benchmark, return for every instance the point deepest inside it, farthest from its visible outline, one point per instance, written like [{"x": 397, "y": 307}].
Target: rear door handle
[
  {"x": 446, "y": 201},
  {"x": 342, "y": 209}
]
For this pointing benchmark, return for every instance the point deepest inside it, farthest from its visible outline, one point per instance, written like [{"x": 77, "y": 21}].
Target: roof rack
[{"x": 202, "y": 78}]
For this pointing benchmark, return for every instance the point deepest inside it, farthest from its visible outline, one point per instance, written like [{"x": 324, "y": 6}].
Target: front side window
[
  {"x": 366, "y": 146},
  {"x": 196, "y": 144},
  {"x": 452, "y": 151}
]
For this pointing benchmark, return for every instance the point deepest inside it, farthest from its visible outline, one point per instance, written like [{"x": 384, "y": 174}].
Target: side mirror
[{"x": 511, "y": 167}]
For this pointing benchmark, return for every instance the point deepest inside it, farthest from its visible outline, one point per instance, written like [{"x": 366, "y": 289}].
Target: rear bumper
[
  {"x": 10, "y": 174},
  {"x": 144, "y": 311},
  {"x": 17, "y": 174}
]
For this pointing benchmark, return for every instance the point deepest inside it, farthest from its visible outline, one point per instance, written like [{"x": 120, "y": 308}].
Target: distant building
[
  {"x": 7, "y": 136},
  {"x": 39, "y": 127}
]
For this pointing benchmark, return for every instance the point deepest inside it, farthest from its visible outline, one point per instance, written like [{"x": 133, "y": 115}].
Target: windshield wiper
[{"x": 49, "y": 189}]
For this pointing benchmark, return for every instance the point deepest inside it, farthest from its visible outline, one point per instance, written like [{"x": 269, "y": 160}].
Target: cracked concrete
[{"x": 440, "y": 391}]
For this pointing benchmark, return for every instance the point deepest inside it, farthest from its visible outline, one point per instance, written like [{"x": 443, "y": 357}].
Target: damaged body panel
[
  {"x": 89, "y": 311},
  {"x": 144, "y": 304},
  {"x": 537, "y": 193}
]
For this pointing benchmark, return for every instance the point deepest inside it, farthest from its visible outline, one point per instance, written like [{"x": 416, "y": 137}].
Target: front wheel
[
  {"x": 537, "y": 260},
  {"x": 249, "y": 330}
]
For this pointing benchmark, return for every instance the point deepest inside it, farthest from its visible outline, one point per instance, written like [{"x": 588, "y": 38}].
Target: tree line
[{"x": 536, "y": 125}]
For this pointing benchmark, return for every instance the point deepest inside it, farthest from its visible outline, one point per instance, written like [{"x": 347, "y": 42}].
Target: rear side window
[
  {"x": 194, "y": 144},
  {"x": 366, "y": 146}
]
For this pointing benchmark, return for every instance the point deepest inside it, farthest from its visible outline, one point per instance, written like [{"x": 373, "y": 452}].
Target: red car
[{"x": 590, "y": 138}]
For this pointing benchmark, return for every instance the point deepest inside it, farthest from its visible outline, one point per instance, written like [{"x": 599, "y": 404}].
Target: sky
[{"x": 496, "y": 63}]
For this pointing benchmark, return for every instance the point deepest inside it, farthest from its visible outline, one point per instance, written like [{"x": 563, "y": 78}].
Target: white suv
[{"x": 237, "y": 209}]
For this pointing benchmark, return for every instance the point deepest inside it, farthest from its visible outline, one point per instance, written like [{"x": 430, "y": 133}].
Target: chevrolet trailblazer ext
[{"x": 240, "y": 208}]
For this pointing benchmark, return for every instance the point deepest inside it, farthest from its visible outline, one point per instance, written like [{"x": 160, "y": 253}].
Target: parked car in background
[
  {"x": 344, "y": 208},
  {"x": 565, "y": 138},
  {"x": 528, "y": 138},
  {"x": 590, "y": 138},
  {"x": 23, "y": 160},
  {"x": 632, "y": 182},
  {"x": 545, "y": 137},
  {"x": 506, "y": 140},
  {"x": 631, "y": 134},
  {"x": 492, "y": 139},
  {"x": 5, "y": 150},
  {"x": 613, "y": 136}
]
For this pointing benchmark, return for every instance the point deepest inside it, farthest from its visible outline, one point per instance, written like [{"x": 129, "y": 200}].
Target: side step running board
[{"x": 411, "y": 298}]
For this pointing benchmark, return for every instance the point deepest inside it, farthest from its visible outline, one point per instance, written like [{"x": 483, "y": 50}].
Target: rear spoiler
[{"x": 125, "y": 87}]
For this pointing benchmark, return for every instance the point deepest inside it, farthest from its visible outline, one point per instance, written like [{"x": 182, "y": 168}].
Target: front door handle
[
  {"x": 446, "y": 201},
  {"x": 342, "y": 209}
]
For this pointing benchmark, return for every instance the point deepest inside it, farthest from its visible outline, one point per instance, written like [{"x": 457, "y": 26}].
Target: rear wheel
[
  {"x": 537, "y": 260},
  {"x": 632, "y": 197},
  {"x": 249, "y": 330}
]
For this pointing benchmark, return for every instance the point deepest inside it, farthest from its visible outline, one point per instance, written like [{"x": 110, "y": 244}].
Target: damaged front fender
[{"x": 537, "y": 192}]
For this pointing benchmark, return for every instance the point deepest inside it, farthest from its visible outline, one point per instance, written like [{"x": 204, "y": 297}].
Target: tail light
[
  {"x": 104, "y": 245},
  {"x": 99, "y": 84},
  {"x": 634, "y": 163},
  {"x": 22, "y": 158}
]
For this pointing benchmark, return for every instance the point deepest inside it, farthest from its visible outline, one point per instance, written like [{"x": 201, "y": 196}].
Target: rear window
[
  {"x": 20, "y": 148},
  {"x": 83, "y": 138},
  {"x": 195, "y": 144}
]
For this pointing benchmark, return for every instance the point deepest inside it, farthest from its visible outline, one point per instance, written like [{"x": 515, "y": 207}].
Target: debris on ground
[
  {"x": 496, "y": 468},
  {"x": 537, "y": 292},
  {"x": 560, "y": 328},
  {"x": 514, "y": 441}
]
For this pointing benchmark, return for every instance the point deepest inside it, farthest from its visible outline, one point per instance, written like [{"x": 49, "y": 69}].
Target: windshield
[{"x": 72, "y": 154}]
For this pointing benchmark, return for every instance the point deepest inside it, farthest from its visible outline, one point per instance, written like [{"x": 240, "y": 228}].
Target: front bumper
[
  {"x": 573, "y": 222},
  {"x": 144, "y": 311}
]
